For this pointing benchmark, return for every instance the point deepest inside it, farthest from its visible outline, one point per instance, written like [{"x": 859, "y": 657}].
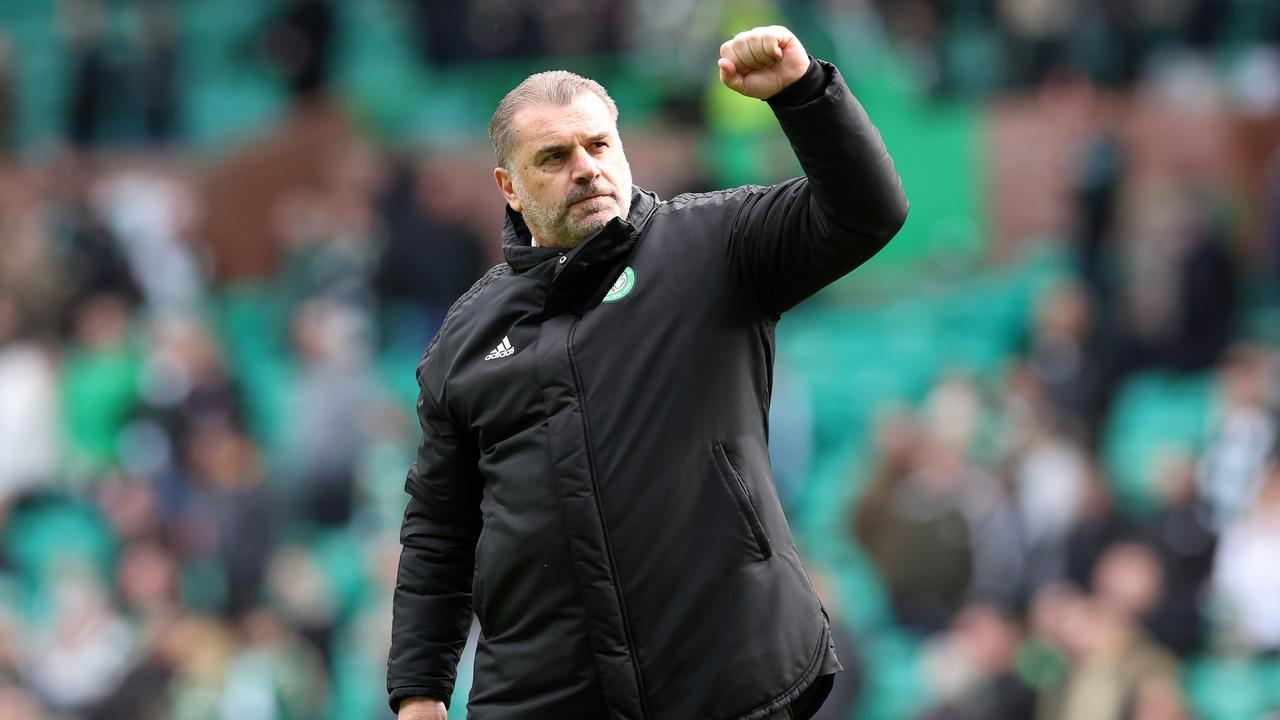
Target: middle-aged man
[{"x": 593, "y": 477}]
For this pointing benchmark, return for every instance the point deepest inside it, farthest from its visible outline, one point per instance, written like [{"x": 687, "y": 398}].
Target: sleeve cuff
[
  {"x": 809, "y": 87},
  {"x": 435, "y": 692}
]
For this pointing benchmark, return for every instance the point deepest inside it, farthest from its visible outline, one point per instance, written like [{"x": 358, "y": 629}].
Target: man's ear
[{"x": 503, "y": 177}]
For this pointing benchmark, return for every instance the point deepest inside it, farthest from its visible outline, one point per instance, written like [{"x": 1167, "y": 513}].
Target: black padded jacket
[{"x": 593, "y": 477}]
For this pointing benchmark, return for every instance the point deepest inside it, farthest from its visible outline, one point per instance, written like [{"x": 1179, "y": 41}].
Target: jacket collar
[
  {"x": 517, "y": 242},
  {"x": 581, "y": 278}
]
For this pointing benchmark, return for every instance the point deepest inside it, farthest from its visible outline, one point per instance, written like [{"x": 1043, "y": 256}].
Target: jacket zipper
[{"x": 604, "y": 525}]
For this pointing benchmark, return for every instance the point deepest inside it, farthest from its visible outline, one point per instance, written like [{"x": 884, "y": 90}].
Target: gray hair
[{"x": 554, "y": 87}]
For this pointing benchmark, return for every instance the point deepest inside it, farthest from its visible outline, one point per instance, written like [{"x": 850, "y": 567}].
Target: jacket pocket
[
  {"x": 477, "y": 591},
  {"x": 737, "y": 488}
]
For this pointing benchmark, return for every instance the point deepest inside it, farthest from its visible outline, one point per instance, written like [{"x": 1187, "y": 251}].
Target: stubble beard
[{"x": 557, "y": 226}]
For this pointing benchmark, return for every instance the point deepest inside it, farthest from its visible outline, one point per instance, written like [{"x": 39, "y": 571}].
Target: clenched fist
[{"x": 761, "y": 61}]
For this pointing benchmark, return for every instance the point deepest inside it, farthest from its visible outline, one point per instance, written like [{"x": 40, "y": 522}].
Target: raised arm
[
  {"x": 432, "y": 603},
  {"x": 788, "y": 241}
]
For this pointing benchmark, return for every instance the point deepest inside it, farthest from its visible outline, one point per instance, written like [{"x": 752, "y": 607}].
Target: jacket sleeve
[
  {"x": 431, "y": 608},
  {"x": 787, "y": 241}
]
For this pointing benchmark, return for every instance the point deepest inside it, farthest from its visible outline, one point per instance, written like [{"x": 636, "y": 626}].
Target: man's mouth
[{"x": 591, "y": 197}]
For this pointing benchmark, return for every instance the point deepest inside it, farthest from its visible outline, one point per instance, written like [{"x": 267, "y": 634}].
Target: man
[{"x": 593, "y": 470}]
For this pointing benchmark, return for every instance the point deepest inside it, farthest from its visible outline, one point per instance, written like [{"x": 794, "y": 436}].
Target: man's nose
[{"x": 585, "y": 167}]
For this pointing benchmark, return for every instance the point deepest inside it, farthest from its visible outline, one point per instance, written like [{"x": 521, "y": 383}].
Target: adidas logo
[{"x": 503, "y": 350}]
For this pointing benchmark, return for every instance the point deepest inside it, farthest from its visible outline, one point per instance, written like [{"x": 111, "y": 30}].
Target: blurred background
[{"x": 1029, "y": 451}]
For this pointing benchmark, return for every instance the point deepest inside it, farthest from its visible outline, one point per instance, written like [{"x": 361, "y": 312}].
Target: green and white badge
[{"x": 622, "y": 286}]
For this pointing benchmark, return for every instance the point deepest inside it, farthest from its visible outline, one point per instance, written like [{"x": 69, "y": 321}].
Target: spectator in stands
[
  {"x": 1129, "y": 578},
  {"x": 427, "y": 259},
  {"x": 185, "y": 388},
  {"x": 1062, "y": 356},
  {"x": 331, "y": 405},
  {"x": 331, "y": 232},
  {"x": 82, "y": 648},
  {"x": 919, "y": 537},
  {"x": 1099, "y": 526},
  {"x": 33, "y": 272},
  {"x": 953, "y": 414},
  {"x": 1048, "y": 474},
  {"x": 99, "y": 381},
  {"x": 1182, "y": 534},
  {"x": 973, "y": 665},
  {"x": 299, "y": 43},
  {"x": 1043, "y": 659},
  {"x": 1096, "y": 194},
  {"x": 129, "y": 507},
  {"x": 1113, "y": 663},
  {"x": 156, "y": 71},
  {"x": 304, "y": 596},
  {"x": 912, "y": 524},
  {"x": 927, "y": 499},
  {"x": 1242, "y": 430},
  {"x": 199, "y": 650},
  {"x": 84, "y": 25},
  {"x": 274, "y": 672},
  {"x": 1180, "y": 295},
  {"x": 147, "y": 211},
  {"x": 233, "y": 512},
  {"x": 1246, "y": 575},
  {"x": 89, "y": 252},
  {"x": 1208, "y": 286},
  {"x": 147, "y": 579},
  {"x": 29, "y": 417},
  {"x": 147, "y": 582}
]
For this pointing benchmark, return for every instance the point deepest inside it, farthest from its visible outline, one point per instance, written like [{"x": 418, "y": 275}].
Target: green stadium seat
[
  {"x": 1153, "y": 413},
  {"x": 1230, "y": 688}
]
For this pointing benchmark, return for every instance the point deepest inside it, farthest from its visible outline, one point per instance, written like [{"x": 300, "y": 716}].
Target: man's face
[{"x": 568, "y": 175}]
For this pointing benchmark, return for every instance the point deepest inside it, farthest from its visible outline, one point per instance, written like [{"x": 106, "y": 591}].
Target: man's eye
[
  {"x": 553, "y": 156},
  {"x": 600, "y": 144}
]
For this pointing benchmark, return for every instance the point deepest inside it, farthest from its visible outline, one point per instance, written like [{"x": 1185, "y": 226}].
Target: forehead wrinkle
[{"x": 543, "y": 127}]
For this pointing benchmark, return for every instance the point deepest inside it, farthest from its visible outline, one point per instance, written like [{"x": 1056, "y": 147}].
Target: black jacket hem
[{"x": 798, "y": 688}]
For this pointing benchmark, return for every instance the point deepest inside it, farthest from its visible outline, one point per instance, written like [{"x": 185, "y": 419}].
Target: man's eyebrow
[
  {"x": 549, "y": 148},
  {"x": 553, "y": 146}
]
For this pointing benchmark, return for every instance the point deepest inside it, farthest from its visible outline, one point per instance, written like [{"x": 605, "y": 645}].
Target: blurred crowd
[
  {"x": 983, "y": 45},
  {"x": 998, "y": 538},
  {"x": 206, "y": 390}
]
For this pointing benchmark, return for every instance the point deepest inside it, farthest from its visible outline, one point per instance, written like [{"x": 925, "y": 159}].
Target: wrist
[{"x": 422, "y": 708}]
